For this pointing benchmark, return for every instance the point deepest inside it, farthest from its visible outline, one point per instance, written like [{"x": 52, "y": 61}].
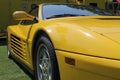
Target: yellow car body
[{"x": 86, "y": 47}]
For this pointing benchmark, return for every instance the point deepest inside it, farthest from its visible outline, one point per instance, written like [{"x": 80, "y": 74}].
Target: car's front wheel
[{"x": 46, "y": 67}]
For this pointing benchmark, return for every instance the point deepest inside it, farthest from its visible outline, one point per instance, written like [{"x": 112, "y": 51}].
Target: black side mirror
[{"x": 34, "y": 6}]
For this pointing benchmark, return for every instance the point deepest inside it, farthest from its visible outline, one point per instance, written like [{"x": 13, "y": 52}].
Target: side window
[{"x": 33, "y": 12}]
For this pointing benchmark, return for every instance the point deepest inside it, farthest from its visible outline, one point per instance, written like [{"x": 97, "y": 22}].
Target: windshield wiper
[{"x": 63, "y": 15}]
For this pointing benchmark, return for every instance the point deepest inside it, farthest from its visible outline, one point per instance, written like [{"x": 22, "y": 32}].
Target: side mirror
[
  {"x": 34, "y": 6},
  {"x": 22, "y": 15}
]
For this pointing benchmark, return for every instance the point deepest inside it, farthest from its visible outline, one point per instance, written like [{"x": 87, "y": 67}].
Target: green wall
[{"x": 7, "y": 7}]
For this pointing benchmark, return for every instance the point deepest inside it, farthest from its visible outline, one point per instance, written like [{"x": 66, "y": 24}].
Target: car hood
[
  {"x": 108, "y": 26},
  {"x": 97, "y": 36}
]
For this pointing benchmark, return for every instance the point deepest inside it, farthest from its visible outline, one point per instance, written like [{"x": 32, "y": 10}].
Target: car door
[{"x": 19, "y": 40}]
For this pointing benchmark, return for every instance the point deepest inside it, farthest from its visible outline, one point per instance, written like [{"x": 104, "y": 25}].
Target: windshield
[{"x": 66, "y": 10}]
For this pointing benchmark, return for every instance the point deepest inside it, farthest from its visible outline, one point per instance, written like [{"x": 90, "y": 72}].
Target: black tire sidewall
[
  {"x": 9, "y": 55},
  {"x": 55, "y": 72}
]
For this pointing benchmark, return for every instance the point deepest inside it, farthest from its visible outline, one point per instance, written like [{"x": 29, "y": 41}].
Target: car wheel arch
[{"x": 38, "y": 34}]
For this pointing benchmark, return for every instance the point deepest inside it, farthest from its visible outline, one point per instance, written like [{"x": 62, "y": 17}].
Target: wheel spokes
[{"x": 44, "y": 64}]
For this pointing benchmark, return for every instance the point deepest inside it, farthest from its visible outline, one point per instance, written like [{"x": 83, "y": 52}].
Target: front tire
[
  {"x": 9, "y": 53},
  {"x": 46, "y": 67}
]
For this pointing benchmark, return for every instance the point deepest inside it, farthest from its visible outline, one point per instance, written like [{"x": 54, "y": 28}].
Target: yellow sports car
[{"x": 66, "y": 42}]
